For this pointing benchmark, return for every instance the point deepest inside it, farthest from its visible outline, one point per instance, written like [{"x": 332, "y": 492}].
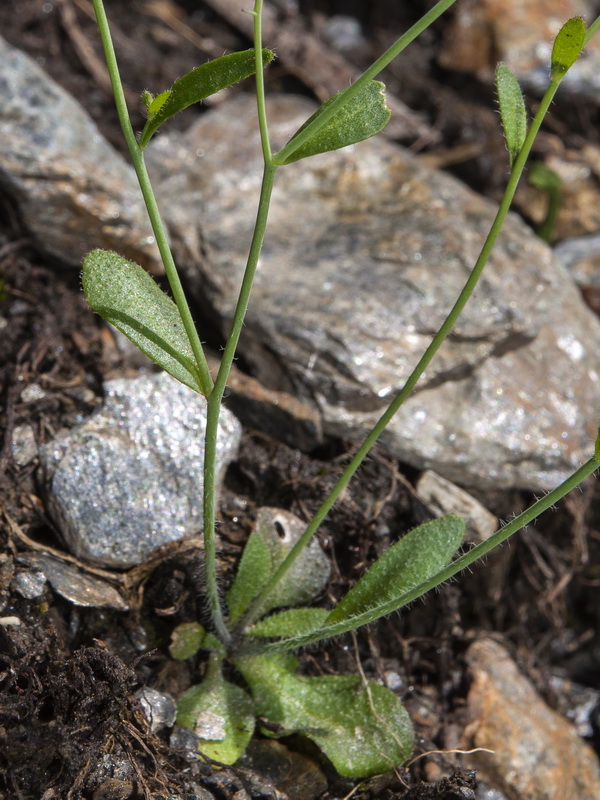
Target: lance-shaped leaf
[
  {"x": 275, "y": 533},
  {"x": 292, "y": 621},
  {"x": 252, "y": 573},
  {"x": 419, "y": 555},
  {"x": 125, "y": 295},
  {"x": 364, "y": 115},
  {"x": 221, "y": 714},
  {"x": 198, "y": 84},
  {"x": 385, "y": 590},
  {"x": 567, "y": 47},
  {"x": 363, "y": 728},
  {"x": 512, "y": 111}
]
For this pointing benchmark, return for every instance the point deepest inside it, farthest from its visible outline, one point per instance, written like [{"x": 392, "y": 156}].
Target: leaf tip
[
  {"x": 567, "y": 47},
  {"x": 268, "y": 56},
  {"x": 147, "y": 98}
]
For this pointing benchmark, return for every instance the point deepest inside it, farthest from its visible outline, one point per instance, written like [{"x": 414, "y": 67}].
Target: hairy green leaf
[
  {"x": 363, "y": 116},
  {"x": 198, "y": 84},
  {"x": 567, "y": 47},
  {"x": 186, "y": 640},
  {"x": 381, "y": 593},
  {"x": 125, "y": 295},
  {"x": 290, "y": 622},
  {"x": 147, "y": 98},
  {"x": 512, "y": 111},
  {"x": 412, "y": 560},
  {"x": 157, "y": 102},
  {"x": 275, "y": 533},
  {"x": 363, "y": 728},
  {"x": 222, "y": 716},
  {"x": 252, "y": 572}
]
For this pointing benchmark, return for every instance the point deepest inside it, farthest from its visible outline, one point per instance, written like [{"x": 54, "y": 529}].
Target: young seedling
[{"x": 360, "y": 725}]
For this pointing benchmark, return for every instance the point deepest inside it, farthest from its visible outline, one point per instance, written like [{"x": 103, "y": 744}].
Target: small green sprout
[{"x": 548, "y": 181}]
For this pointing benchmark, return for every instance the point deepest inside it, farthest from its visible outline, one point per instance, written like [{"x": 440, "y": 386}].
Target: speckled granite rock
[{"x": 129, "y": 479}]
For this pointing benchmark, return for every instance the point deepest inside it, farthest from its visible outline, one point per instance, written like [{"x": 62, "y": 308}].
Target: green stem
[
  {"x": 344, "y": 97},
  {"x": 215, "y": 401},
  {"x": 254, "y": 610},
  {"x": 260, "y": 85},
  {"x": 216, "y": 397},
  {"x": 209, "y": 501},
  {"x": 591, "y": 30},
  {"x": 443, "y": 575},
  {"x": 156, "y": 222}
]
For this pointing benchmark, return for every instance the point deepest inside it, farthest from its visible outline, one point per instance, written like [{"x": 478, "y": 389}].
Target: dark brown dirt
[{"x": 68, "y": 675}]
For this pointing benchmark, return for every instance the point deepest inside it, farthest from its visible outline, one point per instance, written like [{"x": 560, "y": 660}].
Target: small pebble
[
  {"x": 29, "y": 584},
  {"x": 393, "y": 680},
  {"x": 185, "y": 740},
  {"x": 159, "y": 708},
  {"x": 32, "y": 393},
  {"x": 24, "y": 445}
]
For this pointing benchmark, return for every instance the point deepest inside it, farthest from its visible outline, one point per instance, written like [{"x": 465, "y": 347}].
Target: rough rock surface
[
  {"x": 129, "y": 479},
  {"x": 520, "y": 33},
  {"x": 537, "y": 754},
  {"x": 366, "y": 252},
  {"x": 443, "y": 497},
  {"x": 71, "y": 583},
  {"x": 581, "y": 257},
  {"x": 73, "y": 191}
]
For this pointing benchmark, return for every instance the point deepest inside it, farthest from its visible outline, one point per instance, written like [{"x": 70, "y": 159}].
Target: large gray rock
[
  {"x": 129, "y": 479},
  {"x": 73, "y": 191},
  {"x": 365, "y": 253}
]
